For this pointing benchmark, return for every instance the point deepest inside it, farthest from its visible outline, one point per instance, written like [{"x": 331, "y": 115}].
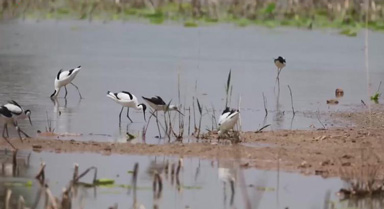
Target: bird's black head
[
  {"x": 144, "y": 107},
  {"x": 79, "y": 66},
  {"x": 27, "y": 112},
  {"x": 280, "y": 59}
]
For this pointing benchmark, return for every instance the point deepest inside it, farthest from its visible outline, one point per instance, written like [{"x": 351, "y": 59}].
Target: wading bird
[
  {"x": 127, "y": 100},
  {"x": 18, "y": 112},
  {"x": 7, "y": 118},
  {"x": 228, "y": 120},
  {"x": 158, "y": 104},
  {"x": 280, "y": 64},
  {"x": 64, "y": 78}
]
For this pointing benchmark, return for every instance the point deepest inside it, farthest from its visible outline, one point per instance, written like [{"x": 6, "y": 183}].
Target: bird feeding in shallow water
[
  {"x": 64, "y": 78},
  {"x": 280, "y": 64},
  {"x": 128, "y": 100},
  {"x": 158, "y": 104},
  {"x": 17, "y": 111},
  {"x": 228, "y": 120},
  {"x": 7, "y": 118}
]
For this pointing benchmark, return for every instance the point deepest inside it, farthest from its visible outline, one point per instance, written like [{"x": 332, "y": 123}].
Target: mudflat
[{"x": 313, "y": 152}]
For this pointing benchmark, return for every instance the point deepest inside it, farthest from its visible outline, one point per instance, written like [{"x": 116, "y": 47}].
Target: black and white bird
[
  {"x": 158, "y": 104},
  {"x": 18, "y": 112},
  {"x": 64, "y": 78},
  {"x": 280, "y": 64},
  {"x": 7, "y": 118},
  {"x": 228, "y": 120},
  {"x": 127, "y": 100}
]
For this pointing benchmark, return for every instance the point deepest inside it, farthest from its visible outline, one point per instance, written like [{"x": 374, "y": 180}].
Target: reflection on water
[
  {"x": 189, "y": 183},
  {"x": 125, "y": 56}
]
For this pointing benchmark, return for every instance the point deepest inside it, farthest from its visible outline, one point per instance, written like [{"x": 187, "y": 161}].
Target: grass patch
[{"x": 190, "y": 24}]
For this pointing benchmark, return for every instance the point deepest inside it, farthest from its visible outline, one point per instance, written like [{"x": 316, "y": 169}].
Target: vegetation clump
[{"x": 347, "y": 15}]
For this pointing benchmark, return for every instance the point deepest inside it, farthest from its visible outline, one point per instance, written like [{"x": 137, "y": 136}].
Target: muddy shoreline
[{"x": 311, "y": 152}]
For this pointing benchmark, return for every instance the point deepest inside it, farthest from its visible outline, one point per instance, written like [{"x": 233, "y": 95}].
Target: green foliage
[
  {"x": 351, "y": 32},
  {"x": 103, "y": 181},
  {"x": 270, "y": 8},
  {"x": 190, "y": 24},
  {"x": 376, "y": 97}
]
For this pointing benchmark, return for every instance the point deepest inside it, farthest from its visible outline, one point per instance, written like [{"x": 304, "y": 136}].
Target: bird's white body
[
  {"x": 279, "y": 65},
  {"x": 63, "y": 78},
  {"x": 228, "y": 120},
  {"x": 128, "y": 100},
  {"x": 124, "y": 99},
  {"x": 17, "y": 111},
  {"x": 66, "y": 77}
]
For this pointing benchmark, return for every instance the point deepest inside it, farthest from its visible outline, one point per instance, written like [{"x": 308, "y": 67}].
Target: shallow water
[
  {"x": 145, "y": 60},
  {"x": 201, "y": 187}
]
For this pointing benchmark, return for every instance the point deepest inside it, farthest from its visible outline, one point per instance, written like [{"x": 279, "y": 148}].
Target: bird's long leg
[
  {"x": 5, "y": 138},
  {"x": 77, "y": 90},
  {"x": 6, "y": 129},
  {"x": 26, "y": 135},
  {"x": 66, "y": 92},
  {"x": 122, "y": 108},
  {"x": 18, "y": 130},
  {"x": 128, "y": 115},
  {"x": 157, "y": 123}
]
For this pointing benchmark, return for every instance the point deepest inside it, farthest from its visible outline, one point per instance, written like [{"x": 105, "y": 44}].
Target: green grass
[{"x": 269, "y": 15}]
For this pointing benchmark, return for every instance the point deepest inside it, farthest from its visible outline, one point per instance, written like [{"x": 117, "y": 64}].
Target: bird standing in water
[
  {"x": 7, "y": 118},
  {"x": 64, "y": 78},
  {"x": 280, "y": 64},
  {"x": 128, "y": 100},
  {"x": 17, "y": 111}
]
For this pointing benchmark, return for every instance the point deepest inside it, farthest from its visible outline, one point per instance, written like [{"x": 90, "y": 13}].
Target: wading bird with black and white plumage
[
  {"x": 228, "y": 120},
  {"x": 280, "y": 64},
  {"x": 18, "y": 112},
  {"x": 7, "y": 117},
  {"x": 64, "y": 78},
  {"x": 158, "y": 104},
  {"x": 128, "y": 100}
]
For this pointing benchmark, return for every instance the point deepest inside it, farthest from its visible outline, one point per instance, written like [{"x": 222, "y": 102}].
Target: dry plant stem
[
  {"x": 293, "y": 109},
  {"x": 85, "y": 173},
  {"x": 134, "y": 177},
  {"x": 52, "y": 199},
  {"x": 318, "y": 118},
  {"x": 7, "y": 198},
  {"x": 41, "y": 174},
  {"x": 189, "y": 121},
  {"x": 265, "y": 105},
  {"x": 239, "y": 106},
  {"x": 14, "y": 163},
  {"x": 75, "y": 172},
  {"x": 262, "y": 128}
]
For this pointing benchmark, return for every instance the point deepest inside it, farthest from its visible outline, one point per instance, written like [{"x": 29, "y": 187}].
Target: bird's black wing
[
  {"x": 226, "y": 110},
  {"x": 58, "y": 74},
  {"x": 14, "y": 102},
  {"x": 155, "y": 100},
  {"x": 4, "y": 111},
  {"x": 70, "y": 72}
]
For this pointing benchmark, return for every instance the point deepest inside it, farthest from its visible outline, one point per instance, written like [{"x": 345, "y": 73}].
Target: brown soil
[{"x": 319, "y": 152}]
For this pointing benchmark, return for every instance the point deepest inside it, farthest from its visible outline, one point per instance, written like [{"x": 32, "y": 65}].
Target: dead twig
[
  {"x": 293, "y": 109},
  {"x": 41, "y": 174},
  {"x": 262, "y": 128},
  {"x": 265, "y": 105}
]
